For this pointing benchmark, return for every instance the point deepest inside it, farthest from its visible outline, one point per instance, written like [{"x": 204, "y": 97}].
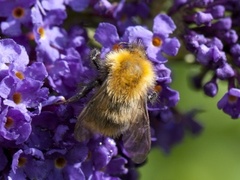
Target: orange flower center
[
  {"x": 116, "y": 47},
  {"x": 9, "y": 123},
  {"x": 18, "y": 12},
  {"x": 158, "y": 88},
  {"x": 19, "y": 75},
  {"x": 60, "y": 162},
  {"x": 156, "y": 41},
  {"x": 17, "y": 97},
  {"x": 41, "y": 31},
  {"x": 22, "y": 161},
  {"x": 232, "y": 99}
]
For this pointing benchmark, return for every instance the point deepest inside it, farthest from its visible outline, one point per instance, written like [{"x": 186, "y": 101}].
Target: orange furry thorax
[{"x": 131, "y": 74}]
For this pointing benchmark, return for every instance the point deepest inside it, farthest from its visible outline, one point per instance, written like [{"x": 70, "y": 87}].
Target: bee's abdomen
[
  {"x": 108, "y": 123},
  {"x": 108, "y": 117}
]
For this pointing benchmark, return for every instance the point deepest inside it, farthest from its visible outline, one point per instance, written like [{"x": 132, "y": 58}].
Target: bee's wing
[
  {"x": 137, "y": 139},
  {"x": 80, "y": 131}
]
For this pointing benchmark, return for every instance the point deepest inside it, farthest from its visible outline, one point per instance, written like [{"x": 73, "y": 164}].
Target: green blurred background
[{"x": 213, "y": 155}]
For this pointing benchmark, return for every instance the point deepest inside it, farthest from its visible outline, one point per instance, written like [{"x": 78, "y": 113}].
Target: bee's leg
[
  {"x": 84, "y": 91},
  {"x": 99, "y": 64},
  {"x": 95, "y": 57},
  {"x": 152, "y": 97}
]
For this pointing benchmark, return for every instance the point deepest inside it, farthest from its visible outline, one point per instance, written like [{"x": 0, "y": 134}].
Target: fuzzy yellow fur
[{"x": 131, "y": 74}]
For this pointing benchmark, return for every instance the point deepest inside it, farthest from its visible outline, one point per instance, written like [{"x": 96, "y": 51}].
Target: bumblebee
[{"x": 119, "y": 105}]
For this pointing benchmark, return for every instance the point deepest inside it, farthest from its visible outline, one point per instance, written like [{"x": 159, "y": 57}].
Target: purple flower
[
  {"x": 64, "y": 157},
  {"x": 169, "y": 127},
  {"x": 106, "y": 34},
  {"x": 217, "y": 11},
  {"x": 203, "y": 18},
  {"x": 62, "y": 164},
  {"x": 77, "y": 5},
  {"x": 125, "y": 13},
  {"x": 45, "y": 35},
  {"x": 23, "y": 89},
  {"x": 53, "y": 5},
  {"x": 222, "y": 24},
  {"x": 103, "y": 7},
  {"x": 103, "y": 152},
  {"x": 211, "y": 88},
  {"x": 12, "y": 53},
  {"x": 230, "y": 103},
  {"x": 23, "y": 161},
  {"x": 21, "y": 92},
  {"x": 117, "y": 166},
  {"x": 225, "y": 72},
  {"x": 65, "y": 74},
  {"x": 211, "y": 35},
  {"x": 229, "y": 37},
  {"x": 167, "y": 98},
  {"x": 100, "y": 175},
  {"x": 157, "y": 42},
  {"x": 211, "y": 57},
  {"x": 16, "y": 14},
  {"x": 235, "y": 52},
  {"x": 15, "y": 125},
  {"x": 43, "y": 140},
  {"x": 63, "y": 53},
  {"x": 54, "y": 164},
  {"x": 4, "y": 160}
]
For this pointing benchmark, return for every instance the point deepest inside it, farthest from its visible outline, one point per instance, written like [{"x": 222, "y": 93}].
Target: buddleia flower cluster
[
  {"x": 44, "y": 59},
  {"x": 210, "y": 30}
]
